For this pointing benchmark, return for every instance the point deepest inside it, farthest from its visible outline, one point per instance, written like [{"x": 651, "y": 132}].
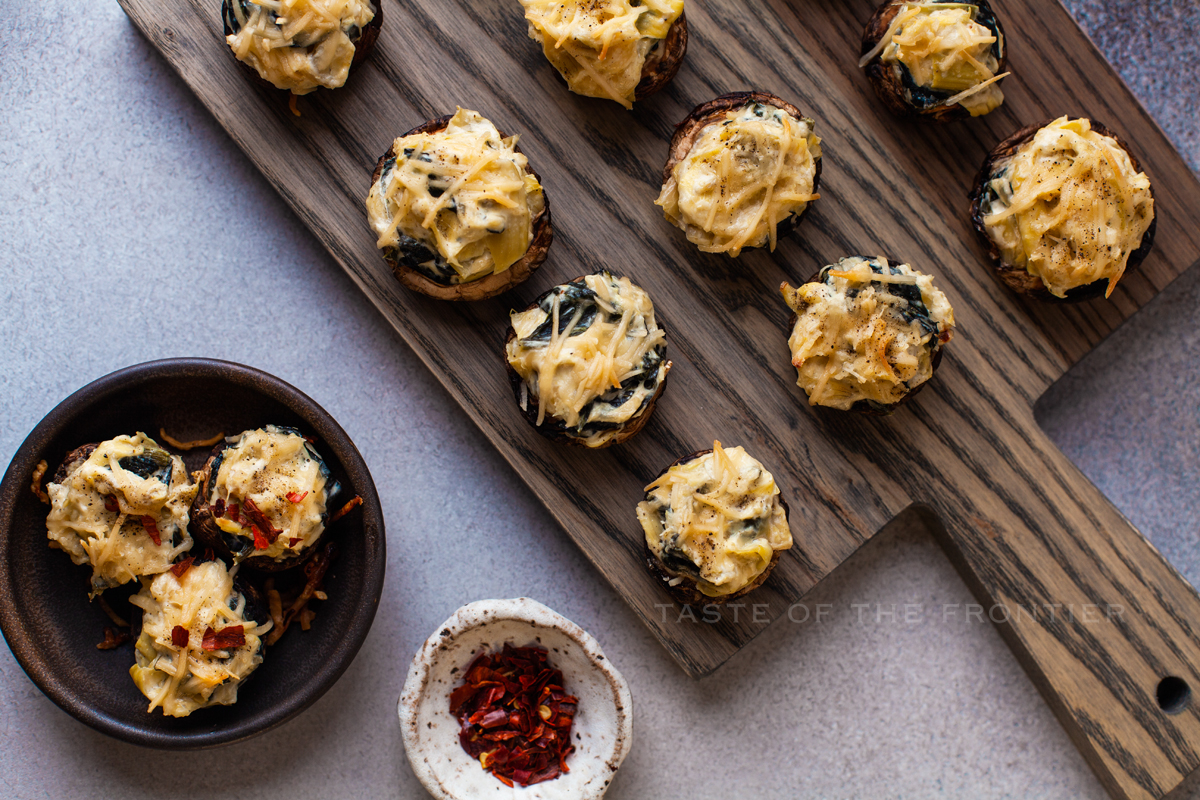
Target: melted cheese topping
[
  {"x": 743, "y": 176},
  {"x": 946, "y": 50},
  {"x": 600, "y": 46},
  {"x": 182, "y": 679},
  {"x": 299, "y": 45},
  {"x": 717, "y": 518},
  {"x": 463, "y": 193},
  {"x": 867, "y": 332},
  {"x": 1068, "y": 207},
  {"x": 266, "y": 465},
  {"x": 135, "y": 478},
  {"x": 590, "y": 354}
]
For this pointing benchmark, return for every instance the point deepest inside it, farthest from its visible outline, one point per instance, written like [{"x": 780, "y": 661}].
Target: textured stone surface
[{"x": 118, "y": 189}]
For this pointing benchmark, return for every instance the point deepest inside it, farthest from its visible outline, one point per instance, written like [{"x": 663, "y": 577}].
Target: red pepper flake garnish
[
  {"x": 180, "y": 636},
  {"x": 111, "y": 504},
  {"x": 256, "y": 516},
  {"x": 152, "y": 528},
  {"x": 296, "y": 497},
  {"x": 219, "y": 508},
  {"x": 182, "y": 567},
  {"x": 501, "y": 696},
  {"x": 231, "y": 511},
  {"x": 261, "y": 542},
  {"x": 224, "y": 639},
  {"x": 295, "y": 540}
]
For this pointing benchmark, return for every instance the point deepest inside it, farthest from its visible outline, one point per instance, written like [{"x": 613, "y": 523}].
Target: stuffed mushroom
[
  {"x": 458, "y": 212},
  {"x": 742, "y": 170},
  {"x": 587, "y": 360},
  {"x": 715, "y": 525},
  {"x": 622, "y": 50},
  {"x": 200, "y": 637},
  {"x": 262, "y": 498},
  {"x": 938, "y": 60},
  {"x": 1063, "y": 210},
  {"x": 301, "y": 45},
  {"x": 120, "y": 506},
  {"x": 866, "y": 333}
]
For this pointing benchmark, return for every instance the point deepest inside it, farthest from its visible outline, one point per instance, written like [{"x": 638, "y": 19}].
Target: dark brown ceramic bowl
[{"x": 53, "y": 630}]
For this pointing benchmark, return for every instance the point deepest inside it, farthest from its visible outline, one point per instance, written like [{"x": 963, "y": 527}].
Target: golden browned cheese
[
  {"x": 463, "y": 193},
  {"x": 854, "y": 339},
  {"x": 722, "y": 513},
  {"x": 742, "y": 177},
  {"x": 299, "y": 45},
  {"x": 1069, "y": 207},
  {"x": 180, "y": 678},
  {"x": 600, "y": 46},
  {"x": 579, "y": 362}
]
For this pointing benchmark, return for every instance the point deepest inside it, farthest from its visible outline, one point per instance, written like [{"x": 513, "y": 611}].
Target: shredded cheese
[
  {"x": 600, "y": 46},
  {"x": 742, "y": 177},
  {"x": 96, "y": 513},
  {"x": 717, "y": 519},
  {"x": 462, "y": 194},
  {"x": 591, "y": 355},
  {"x": 299, "y": 45},
  {"x": 858, "y": 339},
  {"x": 1069, "y": 207}
]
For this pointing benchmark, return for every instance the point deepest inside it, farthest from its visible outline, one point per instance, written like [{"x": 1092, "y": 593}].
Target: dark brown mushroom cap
[
  {"x": 204, "y": 529},
  {"x": 714, "y": 111},
  {"x": 889, "y": 87},
  {"x": 362, "y": 46},
  {"x": 1018, "y": 278},
  {"x": 663, "y": 61},
  {"x": 686, "y": 592},
  {"x": 72, "y": 460},
  {"x": 552, "y": 427},
  {"x": 491, "y": 285}
]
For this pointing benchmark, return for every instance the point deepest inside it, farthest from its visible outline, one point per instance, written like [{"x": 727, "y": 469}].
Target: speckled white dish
[{"x": 603, "y": 730}]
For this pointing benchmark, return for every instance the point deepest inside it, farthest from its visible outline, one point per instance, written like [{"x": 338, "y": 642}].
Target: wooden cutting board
[{"x": 1092, "y": 611}]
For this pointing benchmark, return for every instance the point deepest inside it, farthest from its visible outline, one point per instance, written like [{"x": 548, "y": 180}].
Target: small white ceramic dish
[{"x": 603, "y": 729}]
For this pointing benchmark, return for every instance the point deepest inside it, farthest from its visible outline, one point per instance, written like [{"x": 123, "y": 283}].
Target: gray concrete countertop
[{"x": 117, "y": 183}]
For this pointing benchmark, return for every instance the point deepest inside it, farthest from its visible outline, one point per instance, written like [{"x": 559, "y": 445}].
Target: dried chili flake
[
  {"x": 219, "y": 508},
  {"x": 296, "y": 497},
  {"x": 260, "y": 541},
  {"x": 178, "y": 570},
  {"x": 232, "y": 636},
  {"x": 501, "y": 698},
  {"x": 231, "y": 511},
  {"x": 258, "y": 518},
  {"x": 180, "y": 636},
  {"x": 152, "y": 529},
  {"x": 111, "y": 504},
  {"x": 295, "y": 540}
]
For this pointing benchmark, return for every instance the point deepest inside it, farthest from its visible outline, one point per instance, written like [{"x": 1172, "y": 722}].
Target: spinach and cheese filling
[
  {"x": 717, "y": 520},
  {"x": 601, "y": 46},
  {"x": 866, "y": 331},
  {"x": 743, "y": 176},
  {"x": 267, "y": 492},
  {"x": 121, "y": 507},
  {"x": 198, "y": 641},
  {"x": 1068, "y": 206},
  {"x": 590, "y": 356},
  {"x": 456, "y": 205},
  {"x": 297, "y": 45},
  {"x": 945, "y": 54}
]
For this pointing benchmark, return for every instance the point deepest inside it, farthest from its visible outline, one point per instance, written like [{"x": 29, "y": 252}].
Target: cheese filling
[
  {"x": 457, "y": 205},
  {"x": 601, "y": 46},
  {"x": 1068, "y": 206},
  {"x": 298, "y": 45},
  {"x": 285, "y": 478},
  {"x": 590, "y": 354},
  {"x": 867, "y": 331},
  {"x": 173, "y": 669},
  {"x": 945, "y": 54},
  {"x": 107, "y": 505},
  {"x": 743, "y": 176},
  {"x": 717, "y": 519}
]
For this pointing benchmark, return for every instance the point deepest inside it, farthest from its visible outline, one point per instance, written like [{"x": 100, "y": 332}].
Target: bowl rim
[
  {"x": 22, "y": 637},
  {"x": 482, "y": 614}
]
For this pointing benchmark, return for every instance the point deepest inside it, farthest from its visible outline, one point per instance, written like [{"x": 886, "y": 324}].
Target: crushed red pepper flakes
[
  {"x": 258, "y": 518},
  {"x": 111, "y": 504},
  {"x": 514, "y": 715},
  {"x": 295, "y": 540},
  {"x": 179, "y": 569},
  {"x": 231, "y": 511},
  {"x": 260, "y": 541},
  {"x": 180, "y": 636},
  {"x": 232, "y": 636},
  {"x": 152, "y": 528},
  {"x": 219, "y": 508},
  {"x": 296, "y": 497}
]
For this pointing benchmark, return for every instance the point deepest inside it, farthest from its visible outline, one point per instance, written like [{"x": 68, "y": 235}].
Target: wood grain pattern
[{"x": 1028, "y": 531}]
